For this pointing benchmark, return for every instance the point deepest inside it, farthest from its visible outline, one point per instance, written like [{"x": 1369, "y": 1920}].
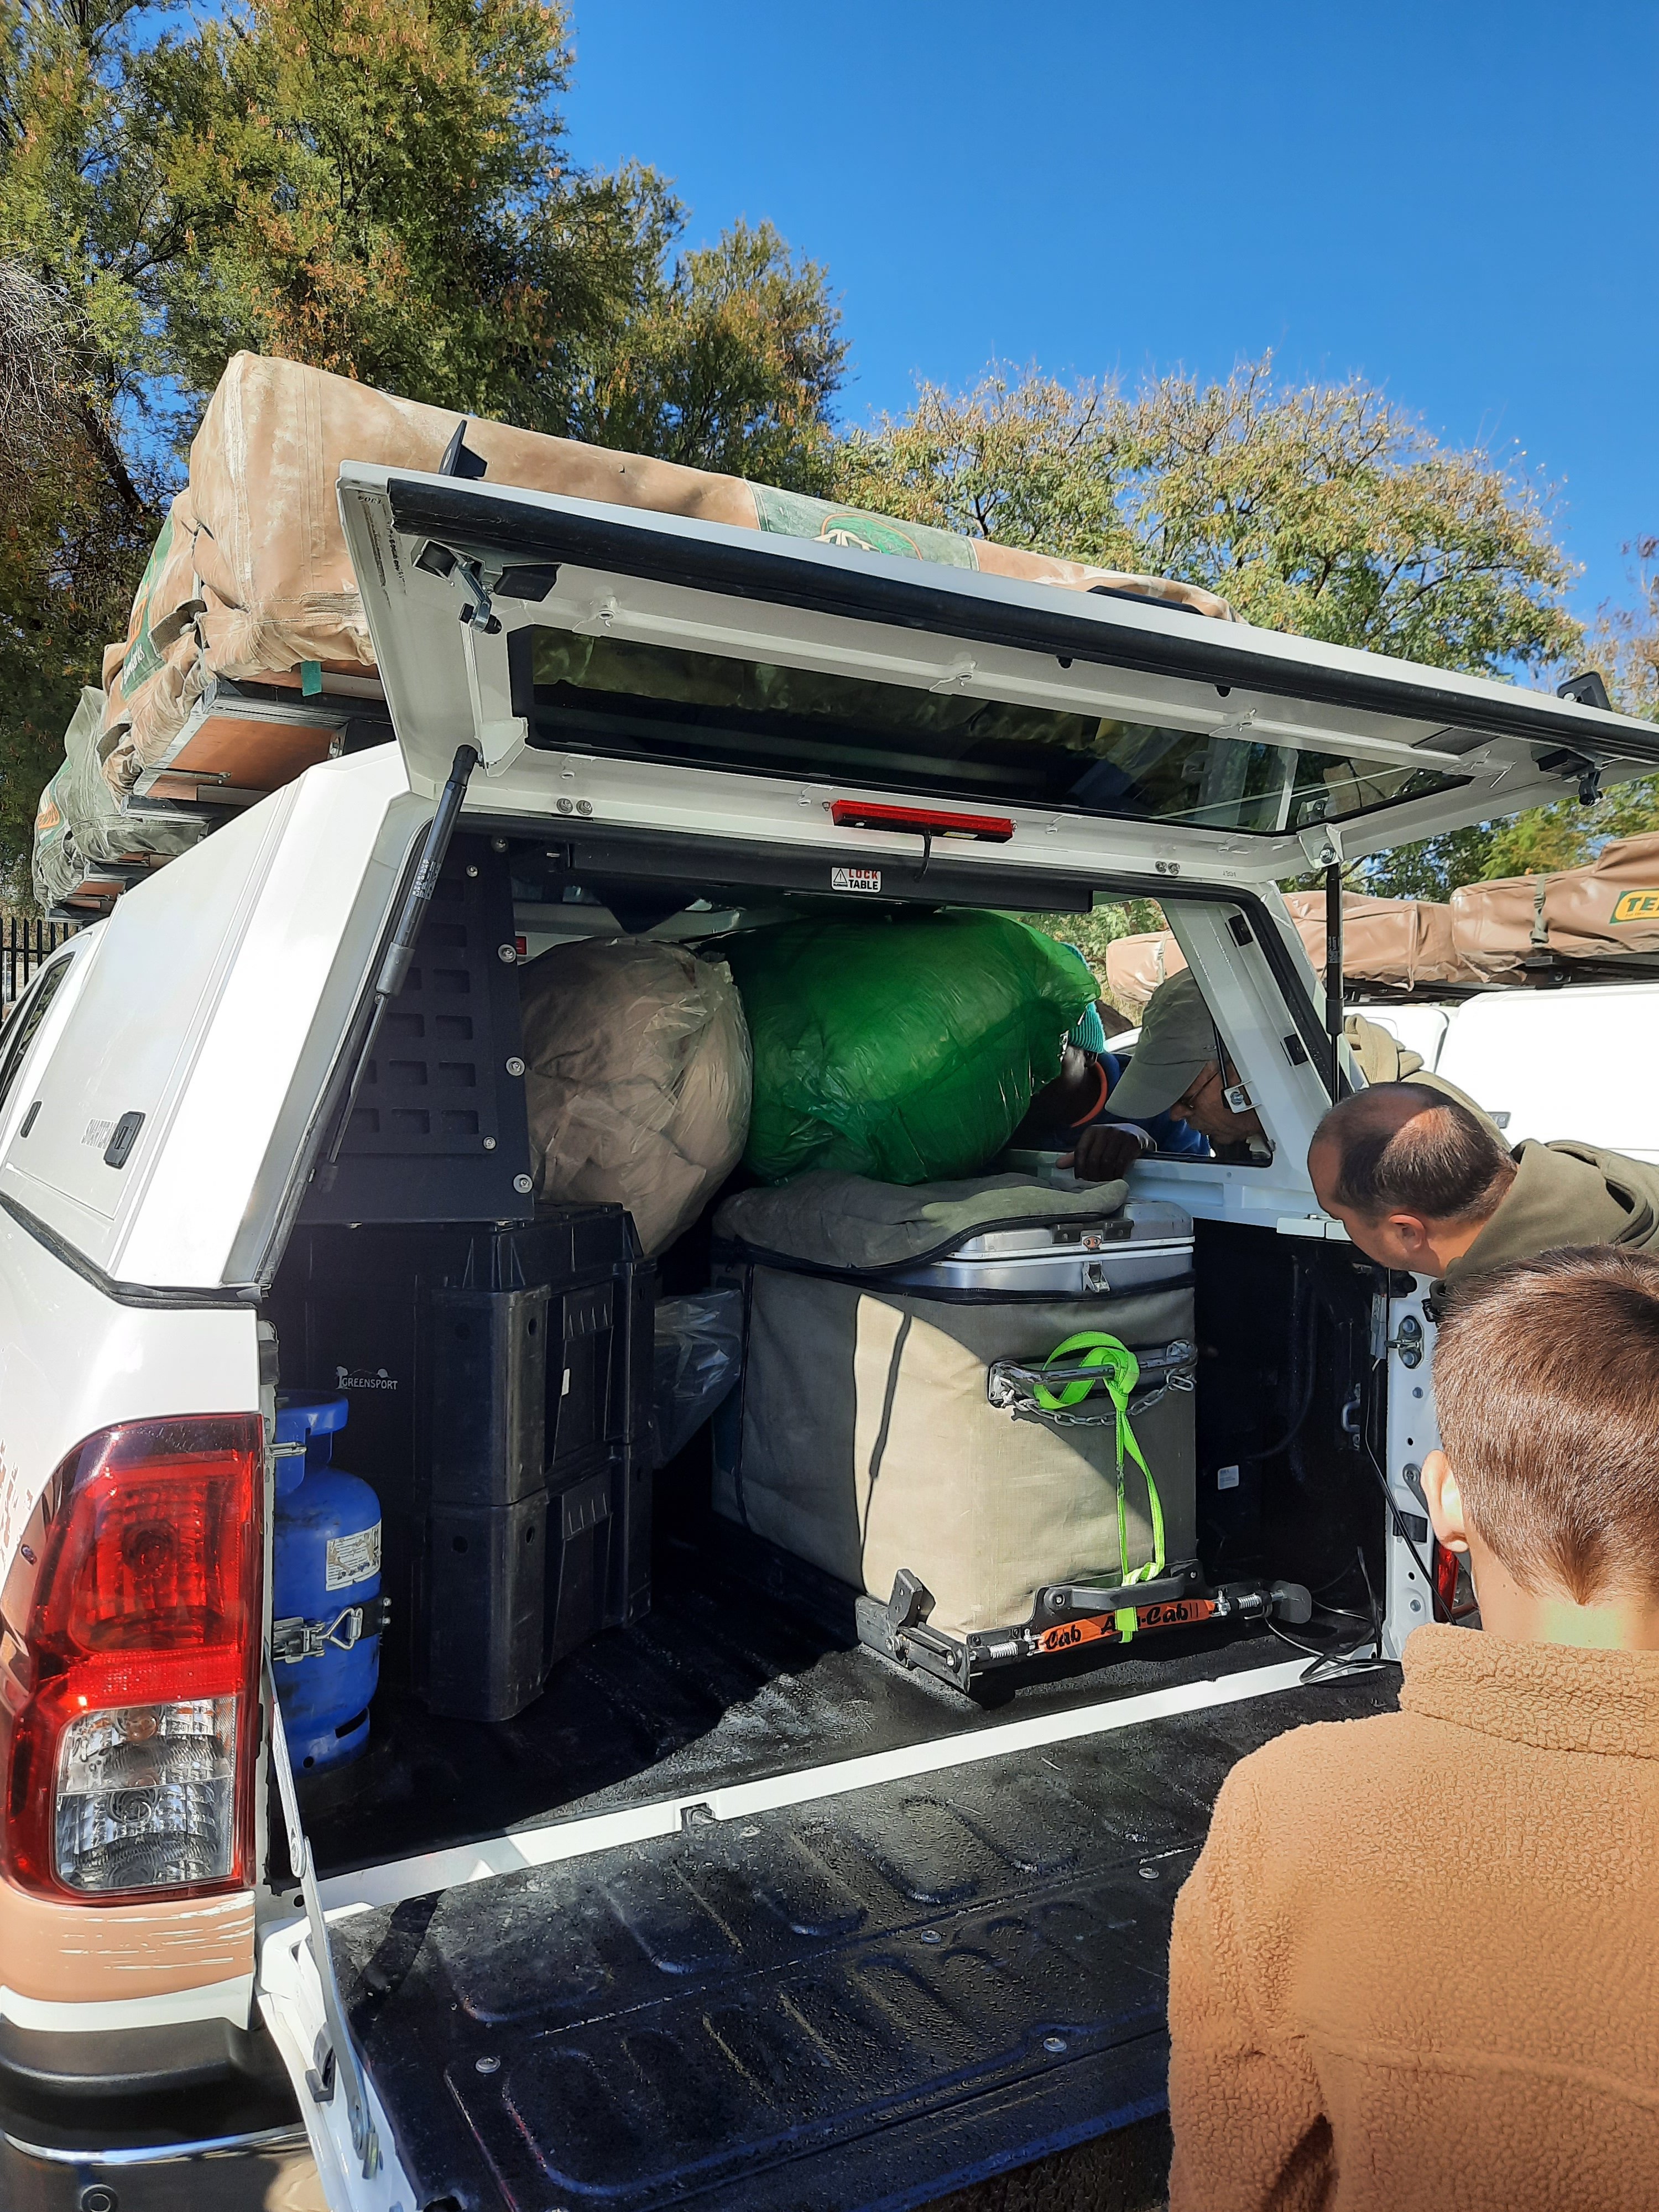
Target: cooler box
[{"x": 862, "y": 1435}]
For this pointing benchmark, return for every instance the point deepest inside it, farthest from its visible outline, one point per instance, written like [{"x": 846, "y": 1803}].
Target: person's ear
[
  {"x": 1445, "y": 1503},
  {"x": 1412, "y": 1234}
]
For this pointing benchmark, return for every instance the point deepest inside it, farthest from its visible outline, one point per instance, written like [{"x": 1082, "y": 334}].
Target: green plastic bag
[{"x": 903, "y": 1047}]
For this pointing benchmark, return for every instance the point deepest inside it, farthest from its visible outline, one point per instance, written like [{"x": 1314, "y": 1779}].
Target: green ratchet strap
[{"x": 1118, "y": 1372}]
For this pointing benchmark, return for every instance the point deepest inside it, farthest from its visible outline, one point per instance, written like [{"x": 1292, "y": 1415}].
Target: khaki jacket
[
  {"x": 1414, "y": 1969},
  {"x": 1564, "y": 1193}
]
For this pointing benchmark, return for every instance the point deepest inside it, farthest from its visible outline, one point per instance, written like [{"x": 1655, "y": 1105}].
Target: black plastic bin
[{"x": 500, "y": 1382}]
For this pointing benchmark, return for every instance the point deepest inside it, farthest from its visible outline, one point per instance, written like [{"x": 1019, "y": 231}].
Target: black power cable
[
  {"x": 1301, "y": 1294},
  {"x": 1436, "y": 1610}
]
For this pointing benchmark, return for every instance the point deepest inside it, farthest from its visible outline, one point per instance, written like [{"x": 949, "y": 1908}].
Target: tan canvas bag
[
  {"x": 252, "y": 580},
  {"x": 861, "y": 1435}
]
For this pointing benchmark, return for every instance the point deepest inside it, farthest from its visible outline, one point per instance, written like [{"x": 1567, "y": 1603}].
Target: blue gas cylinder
[{"x": 325, "y": 1596}]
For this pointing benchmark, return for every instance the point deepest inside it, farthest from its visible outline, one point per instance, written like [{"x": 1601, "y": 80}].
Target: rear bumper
[
  {"x": 268, "y": 2170},
  {"x": 196, "y": 2114},
  {"x": 87, "y": 2069}
]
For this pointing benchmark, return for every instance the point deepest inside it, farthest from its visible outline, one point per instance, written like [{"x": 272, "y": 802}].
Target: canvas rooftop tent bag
[
  {"x": 1135, "y": 966},
  {"x": 80, "y": 822},
  {"x": 250, "y": 581},
  {"x": 861, "y": 1434},
  {"x": 906, "y": 1046},
  {"x": 1605, "y": 911},
  {"x": 637, "y": 1079},
  {"x": 1404, "y": 944}
]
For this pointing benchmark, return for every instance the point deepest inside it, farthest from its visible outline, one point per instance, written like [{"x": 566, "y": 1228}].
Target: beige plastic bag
[{"x": 637, "y": 1079}]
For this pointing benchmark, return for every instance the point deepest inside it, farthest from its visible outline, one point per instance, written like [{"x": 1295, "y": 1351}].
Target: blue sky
[{"x": 1457, "y": 200}]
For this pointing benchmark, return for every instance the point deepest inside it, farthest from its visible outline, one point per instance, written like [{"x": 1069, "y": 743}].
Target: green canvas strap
[{"x": 1118, "y": 1372}]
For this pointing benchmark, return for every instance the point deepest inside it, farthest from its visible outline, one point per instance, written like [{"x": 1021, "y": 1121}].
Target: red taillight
[
  {"x": 919, "y": 821},
  {"x": 129, "y": 1715}
]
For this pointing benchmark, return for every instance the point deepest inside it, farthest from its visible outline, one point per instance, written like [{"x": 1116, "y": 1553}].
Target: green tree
[
  {"x": 378, "y": 187},
  {"x": 1624, "y": 644},
  {"x": 381, "y": 187},
  {"x": 73, "y": 536},
  {"x": 1319, "y": 509},
  {"x": 80, "y": 229},
  {"x": 731, "y": 362},
  {"x": 1091, "y": 933}
]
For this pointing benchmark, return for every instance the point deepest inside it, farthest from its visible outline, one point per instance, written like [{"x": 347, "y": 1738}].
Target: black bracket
[
  {"x": 911, "y": 1603},
  {"x": 319, "y": 2074},
  {"x": 1571, "y": 766},
  {"x": 1081, "y": 1601},
  {"x": 1588, "y": 689}
]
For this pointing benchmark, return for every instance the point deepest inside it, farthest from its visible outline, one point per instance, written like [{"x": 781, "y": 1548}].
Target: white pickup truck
[{"x": 736, "y": 1913}]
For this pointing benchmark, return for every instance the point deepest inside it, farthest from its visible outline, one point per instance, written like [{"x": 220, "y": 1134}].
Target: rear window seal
[{"x": 26, "y": 1015}]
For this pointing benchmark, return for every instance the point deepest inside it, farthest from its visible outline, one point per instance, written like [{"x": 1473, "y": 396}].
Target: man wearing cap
[
  {"x": 1181, "y": 1068},
  {"x": 1077, "y": 1115}
]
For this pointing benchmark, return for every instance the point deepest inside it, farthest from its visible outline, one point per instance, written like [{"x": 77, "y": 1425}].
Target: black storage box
[{"x": 500, "y": 1384}]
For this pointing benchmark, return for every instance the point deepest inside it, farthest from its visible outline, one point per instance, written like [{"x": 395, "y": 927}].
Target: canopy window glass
[{"x": 605, "y": 695}]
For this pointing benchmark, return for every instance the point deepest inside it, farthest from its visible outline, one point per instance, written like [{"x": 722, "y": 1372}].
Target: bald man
[{"x": 1422, "y": 1182}]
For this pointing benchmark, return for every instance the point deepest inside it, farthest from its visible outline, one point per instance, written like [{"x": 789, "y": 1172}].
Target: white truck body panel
[
  {"x": 1582, "y": 1061},
  {"x": 214, "y": 1000}
]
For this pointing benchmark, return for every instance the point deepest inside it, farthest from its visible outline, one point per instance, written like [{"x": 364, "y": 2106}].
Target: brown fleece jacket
[{"x": 1417, "y": 1964}]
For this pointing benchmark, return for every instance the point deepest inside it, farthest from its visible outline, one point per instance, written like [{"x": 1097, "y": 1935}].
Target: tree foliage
[
  {"x": 385, "y": 188},
  {"x": 1319, "y": 509},
  {"x": 378, "y": 187},
  {"x": 731, "y": 364},
  {"x": 1624, "y": 644}
]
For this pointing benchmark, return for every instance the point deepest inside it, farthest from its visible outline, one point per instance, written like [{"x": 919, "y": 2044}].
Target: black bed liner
[
  {"x": 866, "y": 2000},
  {"x": 748, "y": 1665}
]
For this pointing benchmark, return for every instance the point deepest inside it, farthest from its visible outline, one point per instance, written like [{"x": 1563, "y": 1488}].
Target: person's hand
[{"x": 1105, "y": 1151}]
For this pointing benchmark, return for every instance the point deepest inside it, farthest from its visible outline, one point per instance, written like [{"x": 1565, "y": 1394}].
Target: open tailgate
[{"x": 810, "y": 1993}]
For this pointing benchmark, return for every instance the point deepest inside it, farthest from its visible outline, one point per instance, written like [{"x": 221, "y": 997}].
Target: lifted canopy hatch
[{"x": 560, "y": 637}]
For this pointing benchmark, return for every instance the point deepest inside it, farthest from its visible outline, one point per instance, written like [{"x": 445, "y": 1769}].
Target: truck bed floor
[{"x": 748, "y": 1664}]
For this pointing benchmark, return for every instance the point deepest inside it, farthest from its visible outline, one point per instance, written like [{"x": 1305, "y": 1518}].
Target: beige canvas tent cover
[
  {"x": 1404, "y": 944},
  {"x": 86, "y": 848},
  {"x": 250, "y": 579},
  {"x": 1600, "y": 912}
]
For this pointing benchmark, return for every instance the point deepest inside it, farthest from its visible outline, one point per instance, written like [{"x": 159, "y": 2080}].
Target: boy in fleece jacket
[{"x": 1418, "y": 1963}]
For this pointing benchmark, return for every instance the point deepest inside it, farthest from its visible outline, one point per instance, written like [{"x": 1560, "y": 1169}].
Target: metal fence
[{"x": 25, "y": 942}]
